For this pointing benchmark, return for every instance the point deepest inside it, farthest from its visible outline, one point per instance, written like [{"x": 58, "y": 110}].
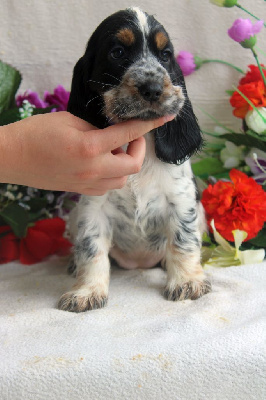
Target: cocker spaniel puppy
[{"x": 128, "y": 72}]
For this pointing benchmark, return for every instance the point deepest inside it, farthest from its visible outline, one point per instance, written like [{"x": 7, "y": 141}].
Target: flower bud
[
  {"x": 256, "y": 121},
  {"x": 186, "y": 62},
  {"x": 198, "y": 61},
  {"x": 224, "y": 3},
  {"x": 243, "y": 31},
  {"x": 230, "y": 3},
  {"x": 249, "y": 43}
]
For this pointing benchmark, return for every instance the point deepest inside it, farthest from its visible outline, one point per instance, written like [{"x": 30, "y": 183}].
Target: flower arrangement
[
  {"x": 235, "y": 199},
  {"x": 32, "y": 223}
]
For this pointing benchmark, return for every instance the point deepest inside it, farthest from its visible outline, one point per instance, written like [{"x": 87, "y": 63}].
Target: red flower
[
  {"x": 252, "y": 86},
  {"x": 43, "y": 239},
  {"x": 253, "y": 75},
  {"x": 9, "y": 245},
  {"x": 240, "y": 204}
]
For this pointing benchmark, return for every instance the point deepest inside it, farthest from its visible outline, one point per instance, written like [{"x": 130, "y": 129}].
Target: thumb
[{"x": 125, "y": 132}]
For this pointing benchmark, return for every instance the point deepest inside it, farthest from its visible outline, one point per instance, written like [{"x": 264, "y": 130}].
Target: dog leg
[
  {"x": 185, "y": 275},
  {"x": 92, "y": 268}
]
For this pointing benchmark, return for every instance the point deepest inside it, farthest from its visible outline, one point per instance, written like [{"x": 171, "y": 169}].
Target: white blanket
[{"x": 140, "y": 346}]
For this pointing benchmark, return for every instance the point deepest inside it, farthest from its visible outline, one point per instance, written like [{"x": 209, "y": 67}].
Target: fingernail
[{"x": 168, "y": 118}]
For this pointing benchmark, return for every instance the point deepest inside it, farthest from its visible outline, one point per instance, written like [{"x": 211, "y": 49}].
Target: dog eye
[
  {"x": 165, "y": 55},
  {"x": 118, "y": 52}
]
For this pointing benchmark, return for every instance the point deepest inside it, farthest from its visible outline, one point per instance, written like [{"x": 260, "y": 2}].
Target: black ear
[
  {"x": 84, "y": 102},
  {"x": 178, "y": 140},
  {"x": 77, "y": 99}
]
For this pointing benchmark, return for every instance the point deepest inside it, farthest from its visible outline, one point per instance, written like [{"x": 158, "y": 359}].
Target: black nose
[{"x": 151, "y": 91}]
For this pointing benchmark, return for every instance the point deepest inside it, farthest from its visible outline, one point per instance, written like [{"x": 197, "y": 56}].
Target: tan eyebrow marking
[
  {"x": 161, "y": 40},
  {"x": 126, "y": 36}
]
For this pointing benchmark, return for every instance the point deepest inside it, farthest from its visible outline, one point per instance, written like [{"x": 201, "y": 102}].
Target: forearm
[{"x": 11, "y": 153}]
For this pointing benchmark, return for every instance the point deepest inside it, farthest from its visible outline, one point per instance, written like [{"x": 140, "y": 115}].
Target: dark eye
[
  {"x": 166, "y": 55},
  {"x": 118, "y": 52}
]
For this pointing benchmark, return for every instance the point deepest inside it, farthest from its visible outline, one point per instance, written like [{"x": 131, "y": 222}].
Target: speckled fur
[{"x": 157, "y": 216}]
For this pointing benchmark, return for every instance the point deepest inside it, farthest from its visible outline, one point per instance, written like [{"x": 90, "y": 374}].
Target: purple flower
[
  {"x": 258, "y": 169},
  {"x": 242, "y": 29},
  {"x": 186, "y": 62},
  {"x": 33, "y": 98},
  {"x": 60, "y": 97}
]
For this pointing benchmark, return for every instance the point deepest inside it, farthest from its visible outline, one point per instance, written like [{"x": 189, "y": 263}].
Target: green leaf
[
  {"x": 17, "y": 218},
  {"x": 214, "y": 146},
  {"x": 35, "y": 216},
  {"x": 43, "y": 110},
  {"x": 10, "y": 80},
  {"x": 246, "y": 140},
  {"x": 256, "y": 135},
  {"x": 36, "y": 204},
  {"x": 222, "y": 175},
  {"x": 208, "y": 166},
  {"x": 9, "y": 116},
  {"x": 260, "y": 239},
  {"x": 230, "y": 92}
]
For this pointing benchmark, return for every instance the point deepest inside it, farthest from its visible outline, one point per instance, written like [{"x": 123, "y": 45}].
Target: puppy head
[{"x": 129, "y": 71}]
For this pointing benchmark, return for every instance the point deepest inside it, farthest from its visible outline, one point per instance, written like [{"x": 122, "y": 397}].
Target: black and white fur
[{"x": 129, "y": 72}]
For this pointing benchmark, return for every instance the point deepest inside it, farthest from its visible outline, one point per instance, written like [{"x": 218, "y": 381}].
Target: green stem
[
  {"x": 250, "y": 103},
  {"x": 214, "y": 119},
  {"x": 260, "y": 68},
  {"x": 226, "y": 63},
  {"x": 244, "y": 9},
  {"x": 216, "y": 135}
]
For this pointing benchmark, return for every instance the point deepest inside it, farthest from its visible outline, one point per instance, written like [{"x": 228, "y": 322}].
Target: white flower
[
  {"x": 26, "y": 110},
  {"x": 257, "y": 122},
  {"x": 220, "y": 130},
  {"x": 23, "y": 205},
  {"x": 231, "y": 155},
  {"x": 9, "y": 195},
  {"x": 225, "y": 255},
  {"x": 11, "y": 188}
]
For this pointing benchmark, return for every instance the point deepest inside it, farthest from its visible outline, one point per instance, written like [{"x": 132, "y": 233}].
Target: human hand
[{"x": 59, "y": 151}]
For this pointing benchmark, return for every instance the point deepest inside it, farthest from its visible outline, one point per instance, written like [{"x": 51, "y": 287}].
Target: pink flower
[
  {"x": 186, "y": 62},
  {"x": 60, "y": 98},
  {"x": 242, "y": 29},
  {"x": 33, "y": 98}
]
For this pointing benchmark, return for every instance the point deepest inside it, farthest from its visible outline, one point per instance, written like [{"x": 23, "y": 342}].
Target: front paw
[
  {"x": 189, "y": 290},
  {"x": 77, "y": 301}
]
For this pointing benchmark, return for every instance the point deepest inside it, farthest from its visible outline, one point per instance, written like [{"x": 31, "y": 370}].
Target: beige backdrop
[{"x": 44, "y": 39}]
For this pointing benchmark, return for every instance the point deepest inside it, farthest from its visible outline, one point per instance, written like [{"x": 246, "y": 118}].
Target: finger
[
  {"x": 124, "y": 164},
  {"x": 92, "y": 192},
  {"x": 111, "y": 183},
  {"x": 137, "y": 149},
  {"x": 79, "y": 124},
  {"x": 103, "y": 186},
  {"x": 119, "y": 150},
  {"x": 117, "y": 135}
]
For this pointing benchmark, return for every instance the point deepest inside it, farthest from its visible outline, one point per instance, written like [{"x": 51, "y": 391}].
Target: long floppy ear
[
  {"x": 83, "y": 101},
  {"x": 77, "y": 99},
  {"x": 178, "y": 140}
]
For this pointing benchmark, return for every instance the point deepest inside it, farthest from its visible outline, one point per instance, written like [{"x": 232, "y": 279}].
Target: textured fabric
[
  {"x": 45, "y": 38},
  {"x": 140, "y": 346}
]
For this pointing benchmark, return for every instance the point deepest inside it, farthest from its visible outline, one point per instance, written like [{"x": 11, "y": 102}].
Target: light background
[{"x": 45, "y": 38}]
